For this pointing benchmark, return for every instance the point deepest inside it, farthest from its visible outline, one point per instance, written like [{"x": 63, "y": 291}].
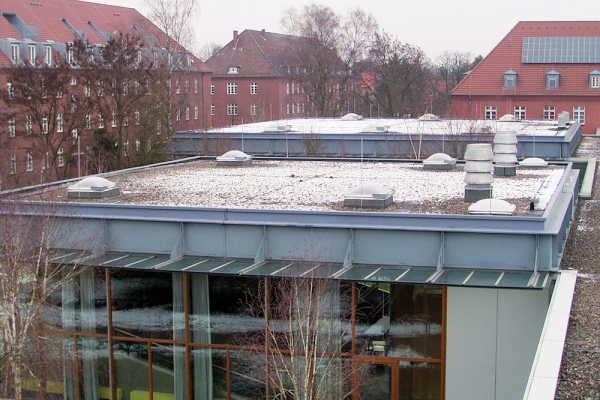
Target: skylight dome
[
  {"x": 352, "y": 117},
  {"x": 508, "y": 117},
  {"x": 234, "y": 158},
  {"x": 369, "y": 195},
  {"x": 533, "y": 162},
  {"x": 439, "y": 161},
  {"x": 492, "y": 207},
  {"x": 93, "y": 187},
  {"x": 429, "y": 117}
]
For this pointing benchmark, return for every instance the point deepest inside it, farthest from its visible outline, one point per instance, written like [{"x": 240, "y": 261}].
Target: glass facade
[{"x": 161, "y": 335}]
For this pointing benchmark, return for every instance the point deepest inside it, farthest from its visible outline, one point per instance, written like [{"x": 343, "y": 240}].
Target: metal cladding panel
[
  {"x": 307, "y": 244},
  {"x": 420, "y": 249},
  {"x": 490, "y": 251},
  {"x": 78, "y": 234},
  {"x": 142, "y": 236},
  {"x": 204, "y": 240},
  {"x": 243, "y": 241}
]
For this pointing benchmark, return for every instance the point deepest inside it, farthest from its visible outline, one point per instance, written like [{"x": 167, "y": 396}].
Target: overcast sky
[{"x": 472, "y": 26}]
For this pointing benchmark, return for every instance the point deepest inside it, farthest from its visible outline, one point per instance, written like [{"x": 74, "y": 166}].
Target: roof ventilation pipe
[
  {"x": 478, "y": 168},
  {"x": 505, "y": 154}
]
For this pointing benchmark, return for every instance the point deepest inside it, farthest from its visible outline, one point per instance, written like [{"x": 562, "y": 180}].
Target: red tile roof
[
  {"x": 47, "y": 16},
  {"x": 257, "y": 53},
  {"x": 487, "y": 77}
]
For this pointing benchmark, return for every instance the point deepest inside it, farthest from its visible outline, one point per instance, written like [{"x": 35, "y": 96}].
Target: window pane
[{"x": 420, "y": 380}]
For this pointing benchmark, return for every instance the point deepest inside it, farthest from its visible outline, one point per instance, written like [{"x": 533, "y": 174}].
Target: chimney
[
  {"x": 263, "y": 33},
  {"x": 235, "y": 37}
]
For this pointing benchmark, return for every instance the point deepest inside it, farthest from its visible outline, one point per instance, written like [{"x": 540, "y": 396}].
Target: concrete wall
[{"x": 492, "y": 337}]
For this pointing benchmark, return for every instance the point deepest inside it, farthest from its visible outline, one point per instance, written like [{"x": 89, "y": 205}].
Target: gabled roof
[
  {"x": 256, "y": 53},
  {"x": 487, "y": 77},
  {"x": 62, "y": 21}
]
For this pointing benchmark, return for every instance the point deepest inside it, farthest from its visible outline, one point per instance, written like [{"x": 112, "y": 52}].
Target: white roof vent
[
  {"x": 352, "y": 117},
  {"x": 439, "y": 161},
  {"x": 273, "y": 128},
  {"x": 93, "y": 187},
  {"x": 234, "y": 158},
  {"x": 429, "y": 117},
  {"x": 492, "y": 207},
  {"x": 375, "y": 128},
  {"x": 508, "y": 117},
  {"x": 478, "y": 169},
  {"x": 505, "y": 154},
  {"x": 533, "y": 162},
  {"x": 369, "y": 195}
]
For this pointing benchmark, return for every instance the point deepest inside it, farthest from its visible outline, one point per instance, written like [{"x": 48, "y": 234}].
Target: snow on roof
[
  {"x": 304, "y": 185},
  {"x": 412, "y": 126}
]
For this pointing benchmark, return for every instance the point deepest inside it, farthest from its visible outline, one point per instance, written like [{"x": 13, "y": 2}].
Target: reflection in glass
[
  {"x": 131, "y": 366},
  {"x": 400, "y": 321},
  {"x": 163, "y": 375},
  {"x": 147, "y": 294},
  {"x": 420, "y": 380},
  {"x": 233, "y": 320},
  {"x": 247, "y": 379},
  {"x": 375, "y": 382},
  {"x": 209, "y": 369},
  {"x": 93, "y": 366}
]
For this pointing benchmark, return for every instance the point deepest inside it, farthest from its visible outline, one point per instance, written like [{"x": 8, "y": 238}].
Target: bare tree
[
  {"x": 45, "y": 106},
  {"x": 209, "y": 50},
  {"x": 308, "y": 328},
  {"x": 28, "y": 278},
  {"x": 326, "y": 51},
  {"x": 452, "y": 66}
]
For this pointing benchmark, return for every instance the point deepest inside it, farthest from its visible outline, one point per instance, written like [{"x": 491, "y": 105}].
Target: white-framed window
[
  {"x": 232, "y": 88},
  {"x": 13, "y": 164},
  {"x": 148, "y": 145},
  {"x": 126, "y": 120},
  {"x": 75, "y": 134},
  {"x": 292, "y": 87},
  {"x": 552, "y": 79},
  {"x": 253, "y": 88},
  {"x": 100, "y": 121},
  {"x": 48, "y": 55},
  {"x": 125, "y": 87},
  {"x": 138, "y": 57},
  {"x": 187, "y": 112},
  {"x": 287, "y": 106},
  {"x": 187, "y": 85},
  {"x": 579, "y": 114},
  {"x": 126, "y": 148},
  {"x": 32, "y": 53},
  {"x": 15, "y": 53},
  {"x": 70, "y": 55},
  {"x": 196, "y": 112},
  {"x": 28, "y": 125},
  {"x": 212, "y": 88},
  {"x": 287, "y": 88},
  {"x": 73, "y": 81},
  {"x": 45, "y": 125},
  {"x": 212, "y": 109},
  {"x": 490, "y": 112},
  {"x": 158, "y": 127},
  {"x": 113, "y": 121},
  {"x": 61, "y": 157},
  {"x": 195, "y": 85},
  {"x": 45, "y": 161},
  {"x": 293, "y": 108},
  {"x": 549, "y": 112},
  {"x": 594, "y": 79},
  {"x": 520, "y": 112},
  {"x": 232, "y": 109},
  {"x": 177, "y": 86},
  {"x": 87, "y": 91},
  {"x": 178, "y": 114},
  {"x": 11, "y": 90},
  {"x": 59, "y": 123},
  {"x": 302, "y": 108},
  {"x": 136, "y": 115},
  {"x": 29, "y": 163},
  {"x": 88, "y": 121},
  {"x": 12, "y": 127},
  {"x": 253, "y": 109},
  {"x": 233, "y": 70},
  {"x": 59, "y": 94},
  {"x": 137, "y": 145}
]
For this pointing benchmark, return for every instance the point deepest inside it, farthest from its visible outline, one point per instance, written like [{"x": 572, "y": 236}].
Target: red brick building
[
  {"x": 36, "y": 35},
  {"x": 253, "y": 80},
  {"x": 537, "y": 71}
]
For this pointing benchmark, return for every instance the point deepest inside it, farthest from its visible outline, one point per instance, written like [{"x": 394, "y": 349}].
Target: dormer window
[
  {"x": 594, "y": 77},
  {"x": 233, "y": 70},
  {"x": 510, "y": 79},
  {"x": 15, "y": 54},
  {"x": 48, "y": 55},
  {"x": 32, "y": 55},
  {"x": 552, "y": 79}
]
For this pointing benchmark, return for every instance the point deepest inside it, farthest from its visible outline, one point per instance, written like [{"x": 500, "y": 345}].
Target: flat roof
[
  {"x": 405, "y": 126},
  {"x": 319, "y": 186}
]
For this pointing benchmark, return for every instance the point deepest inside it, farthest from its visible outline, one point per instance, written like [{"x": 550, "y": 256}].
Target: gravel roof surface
[
  {"x": 412, "y": 126},
  {"x": 320, "y": 186},
  {"x": 580, "y": 372}
]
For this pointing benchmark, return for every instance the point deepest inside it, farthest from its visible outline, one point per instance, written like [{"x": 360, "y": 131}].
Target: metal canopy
[{"x": 362, "y": 273}]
